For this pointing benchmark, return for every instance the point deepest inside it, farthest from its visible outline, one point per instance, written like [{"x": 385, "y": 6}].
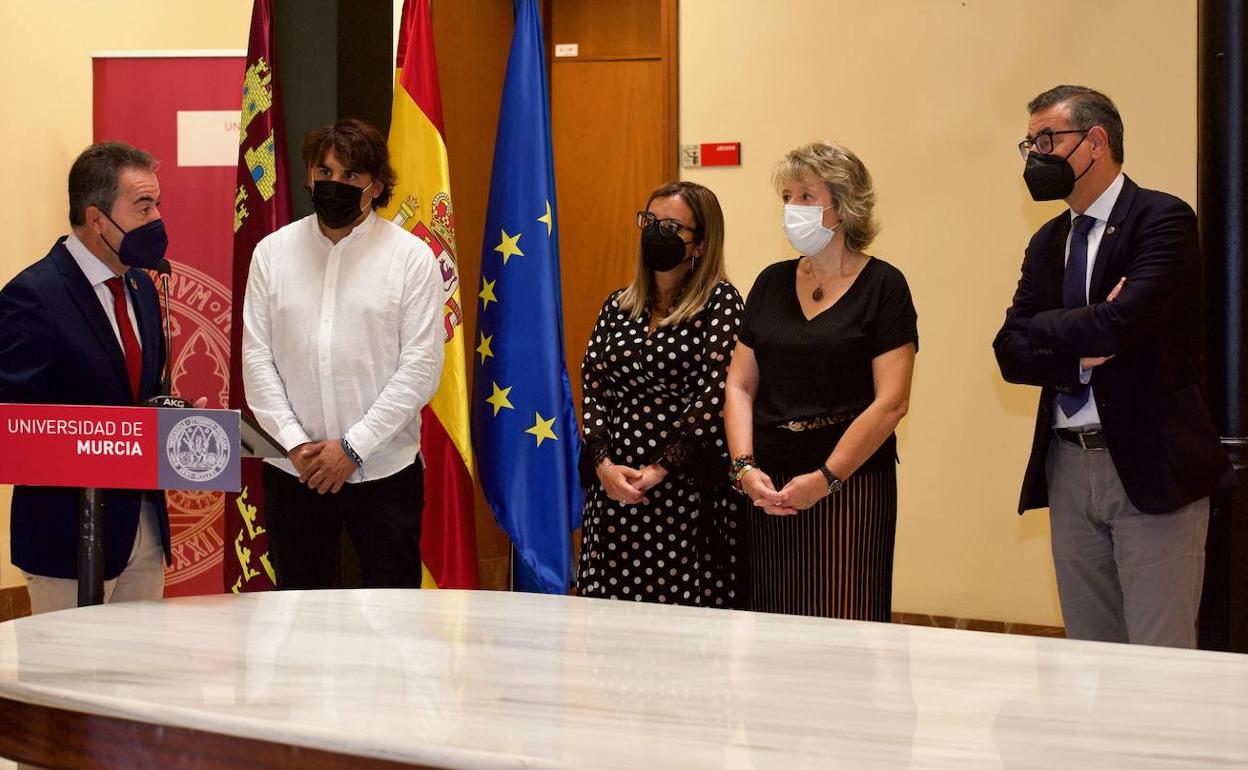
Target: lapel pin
[
  {"x": 134, "y": 284},
  {"x": 1110, "y": 230}
]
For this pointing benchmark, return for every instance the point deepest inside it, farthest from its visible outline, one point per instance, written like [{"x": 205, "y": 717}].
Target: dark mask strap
[
  {"x": 1072, "y": 152},
  {"x": 102, "y": 238}
]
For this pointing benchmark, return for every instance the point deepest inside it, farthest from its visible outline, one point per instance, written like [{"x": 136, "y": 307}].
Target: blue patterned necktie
[{"x": 1075, "y": 294}]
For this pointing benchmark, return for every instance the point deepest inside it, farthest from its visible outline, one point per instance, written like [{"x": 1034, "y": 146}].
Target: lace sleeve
[
  {"x": 597, "y": 399},
  {"x": 702, "y": 422}
]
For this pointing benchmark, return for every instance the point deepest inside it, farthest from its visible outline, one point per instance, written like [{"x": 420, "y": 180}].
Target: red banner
[{"x": 184, "y": 110}]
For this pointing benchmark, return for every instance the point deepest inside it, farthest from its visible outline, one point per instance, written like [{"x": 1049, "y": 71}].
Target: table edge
[{"x": 63, "y": 738}]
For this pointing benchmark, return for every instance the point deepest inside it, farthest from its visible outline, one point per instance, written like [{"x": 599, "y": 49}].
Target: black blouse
[{"x": 820, "y": 367}]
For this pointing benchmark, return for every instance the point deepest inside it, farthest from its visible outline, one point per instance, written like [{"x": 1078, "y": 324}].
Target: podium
[{"x": 116, "y": 447}]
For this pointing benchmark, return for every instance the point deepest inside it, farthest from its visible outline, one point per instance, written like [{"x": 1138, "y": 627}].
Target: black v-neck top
[{"x": 819, "y": 367}]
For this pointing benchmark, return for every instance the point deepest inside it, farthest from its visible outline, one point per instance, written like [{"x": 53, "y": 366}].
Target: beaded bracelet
[
  {"x": 351, "y": 454},
  {"x": 741, "y": 461},
  {"x": 741, "y": 465}
]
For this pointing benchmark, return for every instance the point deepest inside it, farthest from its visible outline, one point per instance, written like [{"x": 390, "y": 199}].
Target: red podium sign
[{"x": 119, "y": 447}]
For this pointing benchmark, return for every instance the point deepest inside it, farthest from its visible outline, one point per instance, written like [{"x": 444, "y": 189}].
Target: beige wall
[
  {"x": 931, "y": 95},
  {"x": 929, "y": 92},
  {"x": 45, "y": 87}
]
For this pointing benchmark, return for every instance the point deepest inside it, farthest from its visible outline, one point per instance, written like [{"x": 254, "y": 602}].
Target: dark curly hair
[{"x": 359, "y": 147}]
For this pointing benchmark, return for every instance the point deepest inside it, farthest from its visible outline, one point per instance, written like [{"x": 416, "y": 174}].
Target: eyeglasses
[
  {"x": 646, "y": 220},
  {"x": 1042, "y": 142}
]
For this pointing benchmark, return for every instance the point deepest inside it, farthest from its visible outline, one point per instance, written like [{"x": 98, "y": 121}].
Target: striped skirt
[{"x": 833, "y": 560}]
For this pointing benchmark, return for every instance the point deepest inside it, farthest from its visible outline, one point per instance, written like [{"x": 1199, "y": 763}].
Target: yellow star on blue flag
[
  {"x": 487, "y": 293},
  {"x": 484, "y": 347},
  {"x": 498, "y": 399},
  {"x": 542, "y": 429},
  {"x": 547, "y": 219},
  {"x": 508, "y": 246}
]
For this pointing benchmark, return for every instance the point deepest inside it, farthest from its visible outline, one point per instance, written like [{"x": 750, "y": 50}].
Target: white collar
[
  {"x": 95, "y": 270},
  {"x": 1103, "y": 206},
  {"x": 356, "y": 232}
]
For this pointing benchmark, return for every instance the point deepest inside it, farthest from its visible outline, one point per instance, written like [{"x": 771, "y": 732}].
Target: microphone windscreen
[{"x": 163, "y": 267}]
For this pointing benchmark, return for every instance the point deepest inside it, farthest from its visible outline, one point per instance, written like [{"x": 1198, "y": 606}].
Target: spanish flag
[{"x": 422, "y": 205}]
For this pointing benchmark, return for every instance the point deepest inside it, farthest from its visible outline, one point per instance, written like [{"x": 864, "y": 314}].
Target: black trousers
[{"x": 382, "y": 518}]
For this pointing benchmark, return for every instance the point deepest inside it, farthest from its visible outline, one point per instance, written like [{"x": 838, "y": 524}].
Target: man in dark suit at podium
[
  {"x": 1106, "y": 319},
  {"x": 79, "y": 327}
]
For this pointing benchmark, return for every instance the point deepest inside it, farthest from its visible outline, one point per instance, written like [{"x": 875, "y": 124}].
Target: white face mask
[{"x": 804, "y": 227}]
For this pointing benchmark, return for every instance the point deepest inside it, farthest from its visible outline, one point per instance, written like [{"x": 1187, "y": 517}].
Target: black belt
[
  {"x": 817, "y": 422},
  {"x": 1084, "y": 439}
]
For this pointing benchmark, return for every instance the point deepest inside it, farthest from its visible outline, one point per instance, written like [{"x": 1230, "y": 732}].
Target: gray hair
[
  {"x": 1088, "y": 108},
  {"x": 93, "y": 177}
]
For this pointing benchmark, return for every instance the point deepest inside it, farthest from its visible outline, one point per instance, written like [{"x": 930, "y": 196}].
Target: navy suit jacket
[
  {"x": 57, "y": 347},
  {"x": 1150, "y": 395}
]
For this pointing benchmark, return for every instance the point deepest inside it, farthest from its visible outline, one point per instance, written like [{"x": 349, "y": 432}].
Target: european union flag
[{"x": 524, "y": 427}]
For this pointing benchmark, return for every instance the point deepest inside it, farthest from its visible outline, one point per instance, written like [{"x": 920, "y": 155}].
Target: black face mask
[
  {"x": 336, "y": 203},
  {"x": 1049, "y": 177},
  {"x": 144, "y": 246},
  {"x": 661, "y": 252}
]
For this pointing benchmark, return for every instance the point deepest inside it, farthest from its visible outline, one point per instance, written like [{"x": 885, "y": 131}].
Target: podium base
[{"x": 91, "y": 547}]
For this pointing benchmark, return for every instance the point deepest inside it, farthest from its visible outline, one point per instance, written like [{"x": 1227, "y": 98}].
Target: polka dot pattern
[{"x": 650, "y": 398}]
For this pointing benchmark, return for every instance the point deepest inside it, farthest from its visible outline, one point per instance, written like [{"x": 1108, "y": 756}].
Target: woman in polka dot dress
[{"x": 660, "y": 514}]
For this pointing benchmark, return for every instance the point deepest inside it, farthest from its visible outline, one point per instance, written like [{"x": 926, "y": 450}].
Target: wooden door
[{"x": 613, "y": 113}]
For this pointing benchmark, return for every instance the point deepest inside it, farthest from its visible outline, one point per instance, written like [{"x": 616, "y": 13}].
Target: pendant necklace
[{"x": 817, "y": 294}]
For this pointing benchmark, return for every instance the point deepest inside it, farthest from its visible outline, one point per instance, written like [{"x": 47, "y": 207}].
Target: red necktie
[{"x": 130, "y": 343}]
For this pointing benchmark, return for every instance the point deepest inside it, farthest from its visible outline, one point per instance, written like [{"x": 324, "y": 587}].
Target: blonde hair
[
  {"x": 853, "y": 193},
  {"x": 708, "y": 269}
]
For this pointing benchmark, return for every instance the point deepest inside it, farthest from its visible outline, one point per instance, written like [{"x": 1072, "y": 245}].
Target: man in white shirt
[
  {"x": 342, "y": 348},
  {"x": 1106, "y": 319}
]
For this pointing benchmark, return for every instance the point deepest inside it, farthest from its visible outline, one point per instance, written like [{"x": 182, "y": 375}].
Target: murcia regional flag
[{"x": 261, "y": 205}]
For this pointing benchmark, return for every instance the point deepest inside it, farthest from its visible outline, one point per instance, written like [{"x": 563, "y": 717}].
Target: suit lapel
[
  {"x": 1057, "y": 262},
  {"x": 1110, "y": 240},
  {"x": 89, "y": 305}
]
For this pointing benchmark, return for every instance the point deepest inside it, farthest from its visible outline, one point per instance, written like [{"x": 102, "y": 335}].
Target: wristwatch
[{"x": 834, "y": 484}]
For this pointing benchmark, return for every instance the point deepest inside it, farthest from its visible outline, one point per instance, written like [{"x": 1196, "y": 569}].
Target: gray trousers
[{"x": 1122, "y": 575}]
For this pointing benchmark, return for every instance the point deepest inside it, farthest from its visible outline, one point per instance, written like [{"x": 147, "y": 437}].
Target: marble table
[{"x": 482, "y": 680}]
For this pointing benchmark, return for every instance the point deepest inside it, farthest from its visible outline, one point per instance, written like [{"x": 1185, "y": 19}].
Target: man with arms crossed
[{"x": 1106, "y": 320}]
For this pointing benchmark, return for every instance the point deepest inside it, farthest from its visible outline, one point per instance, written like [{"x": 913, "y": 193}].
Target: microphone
[{"x": 163, "y": 398}]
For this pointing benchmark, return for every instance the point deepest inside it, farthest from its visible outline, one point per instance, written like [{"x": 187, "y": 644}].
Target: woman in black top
[
  {"x": 659, "y": 512},
  {"x": 819, "y": 380}
]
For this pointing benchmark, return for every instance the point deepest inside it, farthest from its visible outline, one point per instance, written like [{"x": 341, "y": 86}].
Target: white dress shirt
[
  {"x": 1100, "y": 210},
  {"x": 344, "y": 340},
  {"x": 97, "y": 273}
]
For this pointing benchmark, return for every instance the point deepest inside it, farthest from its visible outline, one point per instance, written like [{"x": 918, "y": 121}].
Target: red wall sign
[{"x": 721, "y": 154}]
